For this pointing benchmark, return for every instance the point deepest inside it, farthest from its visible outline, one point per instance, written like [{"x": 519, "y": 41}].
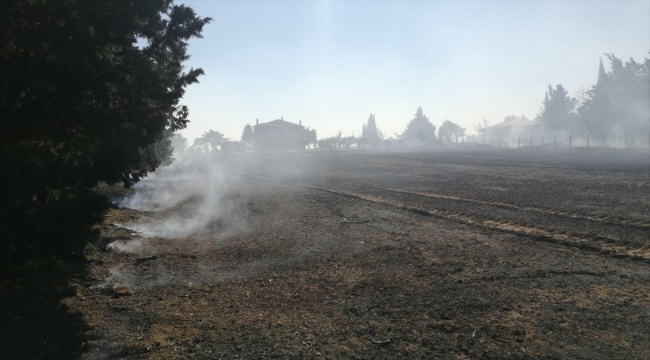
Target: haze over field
[
  {"x": 428, "y": 179},
  {"x": 330, "y": 63}
]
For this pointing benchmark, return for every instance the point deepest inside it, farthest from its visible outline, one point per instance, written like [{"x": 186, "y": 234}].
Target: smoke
[
  {"x": 182, "y": 199},
  {"x": 134, "y": 246},
  {"x": 116, "y": 277}
]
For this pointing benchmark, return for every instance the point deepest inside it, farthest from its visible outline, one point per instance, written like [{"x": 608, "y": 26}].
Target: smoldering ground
[
  {"x": 186, "y": 209},
  {"x": 318, "y": 263},
  {"x": 195, "y": 195},
  {"x": 184, "y": 199},
  {"x": 198, "y": 205}
]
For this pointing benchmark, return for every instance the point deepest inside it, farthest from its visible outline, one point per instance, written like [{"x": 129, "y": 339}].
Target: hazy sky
[{"x": 332, "y": 63}]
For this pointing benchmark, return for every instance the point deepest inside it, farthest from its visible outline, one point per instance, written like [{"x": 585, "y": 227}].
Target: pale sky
[{"x": 332, "y": 63}]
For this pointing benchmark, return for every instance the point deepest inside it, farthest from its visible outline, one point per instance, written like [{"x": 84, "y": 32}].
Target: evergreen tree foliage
[
  {"x": 371, "y": 135},
  {"x": 372, "y": 127},
  {"x": 89, "y": 92},
  {"x": 558, "y": 110},
  {"x": 247, "y": 135},
  {"x": 420, "y": 128},
  {"x": 620, "y": 99}
]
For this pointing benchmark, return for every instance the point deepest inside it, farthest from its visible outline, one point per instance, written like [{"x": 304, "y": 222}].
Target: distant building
[
  {"x": 278, "y": 135},
  {"x": 510, "y": 130}
]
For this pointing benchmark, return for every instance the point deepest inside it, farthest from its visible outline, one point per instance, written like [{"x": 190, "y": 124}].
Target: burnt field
[{"x": 363, "y": 254}]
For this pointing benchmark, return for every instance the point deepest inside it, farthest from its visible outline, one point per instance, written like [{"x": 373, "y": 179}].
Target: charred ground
[{"x": 463, "y": 254}]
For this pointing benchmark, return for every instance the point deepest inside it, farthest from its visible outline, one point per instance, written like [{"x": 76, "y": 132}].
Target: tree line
[
  {"x": 419, "y": 130},
  {"x": 619, "y": 102}
]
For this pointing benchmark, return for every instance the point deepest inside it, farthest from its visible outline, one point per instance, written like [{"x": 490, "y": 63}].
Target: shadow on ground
[{"x": 35, "y": 322}]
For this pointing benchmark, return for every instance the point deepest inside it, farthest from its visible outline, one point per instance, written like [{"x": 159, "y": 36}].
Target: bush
[
  {"x": 89, "y": 92},
  {"x": 53, "y": 224}
]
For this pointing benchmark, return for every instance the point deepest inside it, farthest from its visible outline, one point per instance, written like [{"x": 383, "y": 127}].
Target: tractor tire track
[
  {"x": 596, "y": 243},
  {"x": 602, "y": 245},
  {"x": 561, "y": 213}
]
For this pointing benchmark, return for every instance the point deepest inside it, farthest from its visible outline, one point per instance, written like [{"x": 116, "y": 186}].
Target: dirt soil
[{"x": 374, "y": 255}]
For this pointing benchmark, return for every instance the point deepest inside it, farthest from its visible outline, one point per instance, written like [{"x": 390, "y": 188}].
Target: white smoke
[
  {"x": 193, "y": 189},
  {"x": 134, "y": 246}
]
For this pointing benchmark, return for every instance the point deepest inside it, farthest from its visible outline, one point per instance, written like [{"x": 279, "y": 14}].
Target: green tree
[
  {"x": 247, "y": 134},
  {"x": 449, "y": 131},
  {"x": 558, "y": 110},
  {"x": 598, "y": 110},
  {"x": 308, "y": 137},
  {"x": 211, "y": 140},
  {"x": 89, "y": 92},
  {"x": 349, "y": 141},
  {"x": 200, "y": 146},
  {"x": 420, "y": 128},
  {"x": 370, "y": 134},
  {"x": 328, "y": 143},
  {"x": 618, "y": 102}
]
